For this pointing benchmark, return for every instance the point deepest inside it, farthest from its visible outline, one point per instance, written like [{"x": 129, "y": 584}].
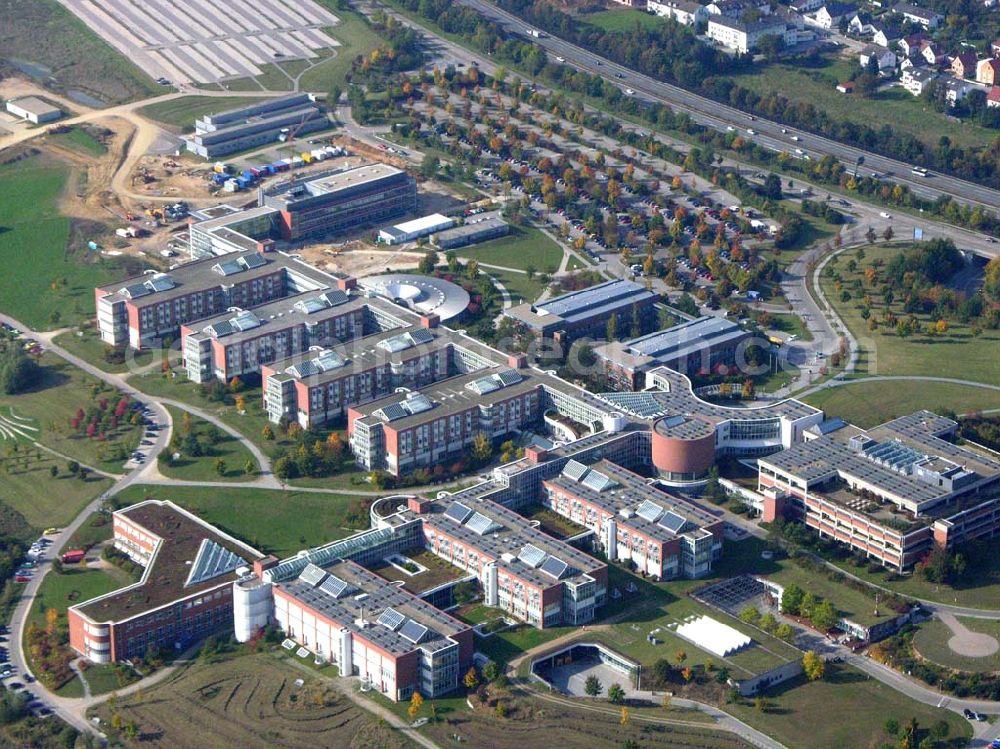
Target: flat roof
[
  {"x": 166, "y": 577},
  {"x": 424, "y": 223},
  {"x": 687, "y": 338},
  {"x": 595, "y": 301},
  {"x": 323, "y": 183},
  {"x": 345, "y": 592},
  {"x": 425, "y": 295},
  {"x": 472, "y": 229},
  {"x": 35, "y": 105}
]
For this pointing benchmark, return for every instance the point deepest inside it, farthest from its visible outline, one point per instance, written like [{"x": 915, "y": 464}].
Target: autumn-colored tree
[
  {"x": 416, "y": 701},
  {"x": 241, "y": 403},
  {"x": 471, "y": 680},
  {"x": 680, "y": 656},
  {"x": 687, "y": 673},
  {"x": 624, "y": 719},
  {"x": 267, "y": 432},
  {"x": 813, "y": 665},
  {"x": 482, "y": 448},
  {"x": 51, "y": 620}
]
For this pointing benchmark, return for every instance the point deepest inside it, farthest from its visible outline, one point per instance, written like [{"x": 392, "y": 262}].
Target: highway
[{"x": 721, "y": 117}]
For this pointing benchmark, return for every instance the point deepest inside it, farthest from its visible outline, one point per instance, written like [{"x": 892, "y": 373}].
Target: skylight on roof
[
  {"x": 245, "y": 320},
  {"x": 649, "y": 510},
  {"x": 574, "y": 470},
  {"x": 458, "y": 512},
  {"x": 391, "y": 619},
  {"x": 673, "y": 522},
  {"x": 413, "y": 631},
  {"x": 211, "y": 561},
  {"x": 312, "y": 575},
  {"x": 597, "y": 481},
  {"x": 531, "y": 555},
  {"x": 481, "y": 524},
  {"x": 253, "y": 260},
  {"x": 554, "y": 567}
]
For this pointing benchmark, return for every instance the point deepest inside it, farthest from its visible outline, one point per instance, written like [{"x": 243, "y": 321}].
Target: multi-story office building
[
  {"x": 340, "y": 200},
  {"x": 254, "y": 125},
  {"x": 586, "y": 313},
  {"x": 705, "y": 345},
  {"x": 226, "y": 229},
  {"x": 662, "y": 535},
  {"x": 185, "y": 592},
  {"x": 394, "y": 641},
  {"x": 420, "y": 428},
  {"x": 891, "y": 492}
]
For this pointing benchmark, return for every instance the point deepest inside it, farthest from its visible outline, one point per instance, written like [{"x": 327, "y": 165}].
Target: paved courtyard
[
  {"x": 204, "y": 41},
  {"x": 572, "y": 679}
]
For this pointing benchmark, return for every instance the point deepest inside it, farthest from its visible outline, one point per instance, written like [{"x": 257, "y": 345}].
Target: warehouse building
[
  {"x": 586, "y": 313},
  {"x": 185, "y": 593},
  {"x": 701, "y": 346},
  {"x": 471, "y": 232},
  {"x": 891, "y": 492},
  {"x": 662, "y": 535},
  {"x": 395, "y": 642},
  {"x": 340, "y": 201},
  {"x": 33, "y": 109},
  {"x": 255, "y": 125},
  {"x": 415, "y": 229}
]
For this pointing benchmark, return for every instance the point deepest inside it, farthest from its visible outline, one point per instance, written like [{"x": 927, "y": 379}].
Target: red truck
[{"x": 73, "y": 557}]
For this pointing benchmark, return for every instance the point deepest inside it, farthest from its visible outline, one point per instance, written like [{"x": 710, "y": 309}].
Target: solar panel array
[
  {"x": 509, "y": 377},
  {"x": 672, "y": 522},
  {"x": 531, "y": 555},
  {"x": 574, "y": 470},
  {"x": 554, "y": 567},
  {"x": 137, "y": 290},
  {"x": 220, "y": 329},
  {"x": 458, "y": 512},
  {"x": 649, "y": 510},
  {"x": 421, "y": 336},
  {"x": 334, "y": 586},
  {"x": 391, "y": 619},
  {"x": 413, "y": 631},
  {"x": 481, "y": 524},
  {"x": 254, "y": 260},
  {"x": 312, "y": 575},
  {"x": 211, "y": 561},
  {"x": 391, "y": 412},
  {"x": 160, "y": 283},
  {"x": 303, "y": 369},
  {"x": 597, "y": 481}
]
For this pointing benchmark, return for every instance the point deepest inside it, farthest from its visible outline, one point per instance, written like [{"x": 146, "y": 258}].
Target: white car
[
  {"x": 885, "y": 214},
  {"x": 750, "y": 131},
  {"x": 730, "y": 128},
  {"x": 629, "y": 92},
  {"x": 561, "y": 59},
  {"x": 796, "y": 138}
]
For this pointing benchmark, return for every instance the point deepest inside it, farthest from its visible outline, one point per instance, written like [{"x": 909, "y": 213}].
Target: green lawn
[
  {"x": 45, "y": 33},
  {"x": 87, "y": 344},
  {"x": 520, "y": 287},
  {"x": 867, "y": 404},
  {"x": 931, "y": 641},
  {"x": 54, "y": 403},
  {"x": 278, "y": 522},
  {"x": 624, "y": 19},
  {"x": 104, "y": 678},
  {"x": 956, "y": 353},
  {"x": 72, "y": 587},
  {"x": 791, "y": 325},
  {"x": 847, "y": 710},
  {"x": 79, "y": 139},
  {"x": 817, "y": 86},
  {"x": 203, "y": 468},
  {"x": 41, "y": 276},
  {"x": 183, "y": 111},
  {"x": 525, "y": 247},
  {"x": 356, "y": 37},
  {"x": 45, "y": 501},
  {"x": 850, "y": 603},
  {"x": 96, "y": 529}
]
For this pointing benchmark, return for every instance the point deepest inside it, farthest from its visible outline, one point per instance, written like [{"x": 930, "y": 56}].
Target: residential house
[
  {"x": 883, "y": 34},
  {"x": 995, "y": 48},
  {"x": 847, "y": 87},
  {"x": 860, "y": 24},
  {"x": 638, "y": 4},
  {"x": 916, "y": 60},
  {"x": 933, "y": 53},
  {"x": 963, "y": 65},
  {"x": 911, "y": 44},
  {"x": 885, "y": 58},
  {"x": 683, "y": 11},
  {"x": 743, "y": 36},
  {"x": 916, "y": 80},
  {"x": 993, "y": 97},
  {"x": 913, "y": 14},
  {"x": 831, "y": 14},
  {"x": 956, "y": 90},
  {"x": 805, "y": 6},
  {"x": 988, "y": 71},
  {"x": 736, "y": 8}
]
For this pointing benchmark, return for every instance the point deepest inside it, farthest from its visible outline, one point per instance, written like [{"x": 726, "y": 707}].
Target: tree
[
  {"x": 482, "y": 448},
  {"x": 17, "y": 371},
  {"x": 887, "y": 234},
  {"x": 471, "y": 681},
  {"x": 813, "y": 665},
  {"x": 220, "y": 466},
  {"x": 616, "y": 695},
  {"x": 767, "y": 622},
  {"x": 592, "y": 687},
  {"x": 772, "y": 187},
  {"x": 749, "y": 615},
  {"x": 624, "y": 719},
  {"x": 680, "y": 656},
  {"x": 429, "y": 166},
  {"x": 283, "y": 468},
  {"x": 761, "y": 704},
  {"x": 892, "y": 727},
  {"x": 824, "y": 616},
  {"x": 791, "y": 599},
  {"x": 249, "y": 468},
  {"x": 267, "y": 433},
  {"x": 416, "y": 701},
  {"x": 785, "y": 632},
  {"x": 53, "y": 470},
  {"x": 428, "y": 263},
  {"x": 491, "y": 671}
]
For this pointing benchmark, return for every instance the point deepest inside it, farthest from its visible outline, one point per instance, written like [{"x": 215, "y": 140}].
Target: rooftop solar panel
[
  {"x": 335, "y": 297},
  {"x": 458, "y": 512},
  {"x": 421, "y": 335},
  {"x": 391, "y": 412},
  {"x": 673, "y": 522},
  {"x": 532, "y": 555},
  {"x": 481, "y": 524},
  {"x": 417, "y": 403},
  {"x": 312, "y": 575},
  {"x": 574, "y": 470},
  {"x": 302, "y": 369},
  {"x": 554, "y": 567},
  {"x": 413, "y": 631},
  {"x": 649, "y": 510},
  {"x": 136, "y": 290},
  {"x": 160, "y": 283},
  {"x": 509, "y": 377},
  {"x": 254, "y": 260},
  {"x": 597, "y": 481},
  {"x": 391, "y": 619},
  {"x": 220, "y": 329},
  {"x": 334, "y": 586}
]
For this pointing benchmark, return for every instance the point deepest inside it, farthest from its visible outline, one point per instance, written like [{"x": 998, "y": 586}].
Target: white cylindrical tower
[
  {"x": 610, "y": 539},
  {"x": 614, "y": 422},
  {"x": 252, "y": 606},
  {"x": 345, "y": 652},
  {"x": 491, "y": 597}
]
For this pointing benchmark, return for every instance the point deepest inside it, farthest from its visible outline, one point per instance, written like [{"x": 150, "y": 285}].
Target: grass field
[
  {"x": 817, "y": 86},
  {"x": 78, "y": 139},
  {"x": 250, "y": 701},
  {"x": 849, "y": 602},
  {"x": 87, "y": 344},
  {"x": 931, "y": 641},
  {"x": 45, "y": 500},
  {"x": 103, "y": 679},
  {"x": 53, "y": 404},
  {"x": 791, "y": 325},
  {"x": 623, "y": 19},
  {"x": 203, "y": 468},
  {"x": 519, "y": 286},
  {"x": 802, "y": 713},
  {"x": 184, "y": 111},
  {"x": 867, "y": 404},
  {"x": 44, "y": 33},
  {"x": 33, "y": 249},
  {"x": 278, "y": 522},
  {"x": 956, "y": 353},
  {"x": 524, "y": 247},
  {"x": 356, "y": 37},
  {"x": 72, "y": 587}
]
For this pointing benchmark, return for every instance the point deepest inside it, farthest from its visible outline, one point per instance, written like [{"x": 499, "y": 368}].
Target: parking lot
[{"x": 206, "y": 41}]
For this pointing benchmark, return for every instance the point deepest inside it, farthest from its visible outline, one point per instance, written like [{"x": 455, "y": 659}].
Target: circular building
[
  {"x": 683, "y": 447},
  {"x": 422, "y": 294}
]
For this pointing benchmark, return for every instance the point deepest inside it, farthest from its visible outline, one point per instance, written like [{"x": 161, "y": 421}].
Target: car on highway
[
  {"x": 629, "y": 92},
  {"x": 619, "y": 75},
  {"x": 750, "y": 131},
  {"x": 885, "y": 214},
  {"x": 15, "y": 685},
  {"x": 6, "y": 672},
  {"x": 796, "y": 138},
  {"x": 561, "y": 59}
]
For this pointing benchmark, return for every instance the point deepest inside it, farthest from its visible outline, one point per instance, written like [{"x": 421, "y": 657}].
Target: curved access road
[{"x": 721, "y": 116}]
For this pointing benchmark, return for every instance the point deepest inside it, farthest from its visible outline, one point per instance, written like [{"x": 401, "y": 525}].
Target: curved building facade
[{"x": 683, "y": 447}]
